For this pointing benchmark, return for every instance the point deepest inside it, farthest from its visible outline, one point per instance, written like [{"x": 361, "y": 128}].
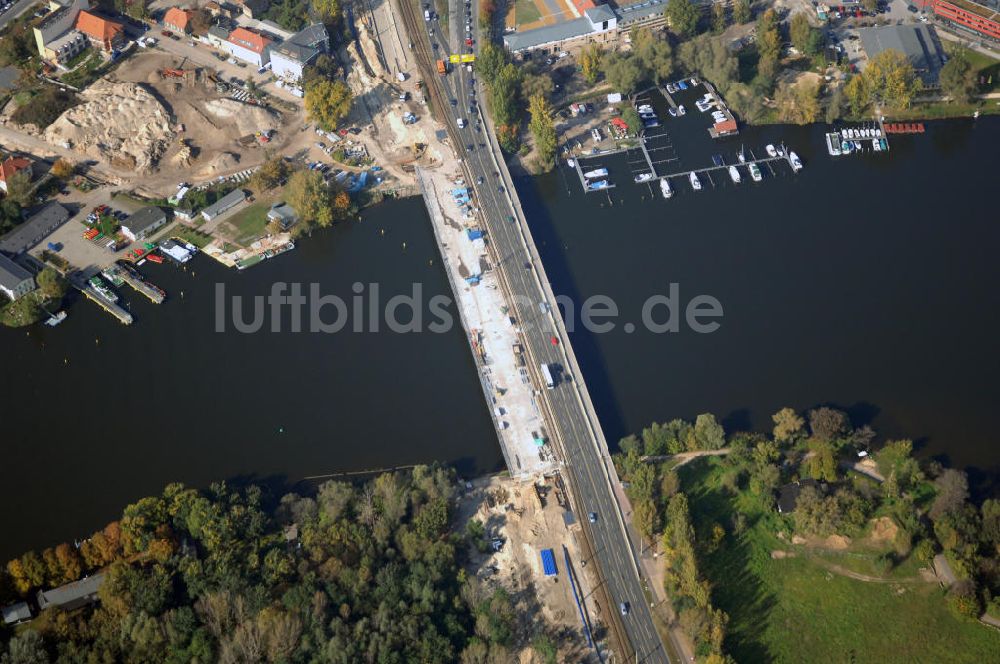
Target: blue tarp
[
  {"x": 473, "y": 280},
  {"x": 359, "y": 185},
  {"x": 474, "y": 233},
  {"x": 464, "y": 191},
  {"x": 548, "y": 562}
]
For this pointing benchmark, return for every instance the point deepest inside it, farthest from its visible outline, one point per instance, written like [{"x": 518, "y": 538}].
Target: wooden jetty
[
  {"x": 134, "y": 278},
  {"x": 112, "y": 308}
]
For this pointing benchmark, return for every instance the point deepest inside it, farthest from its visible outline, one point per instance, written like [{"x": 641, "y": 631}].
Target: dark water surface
[
  {"x": 869, "y": 282},
  {"x": 95, "y": 414}
]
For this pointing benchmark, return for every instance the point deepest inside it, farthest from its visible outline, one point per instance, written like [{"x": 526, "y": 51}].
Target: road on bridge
[{"x": 585, "y": 455}]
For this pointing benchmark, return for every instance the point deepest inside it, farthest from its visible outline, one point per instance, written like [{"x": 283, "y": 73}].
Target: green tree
[
  {"x": 890, "y": 79},
  {"x": 768, "y": 44},
  {"x": 870, "y": 6},
  {"x": 683, "y": 16},
  {"x": 798, "y": 103},
  {"x": 822, "y": 462},
  {"x": 327, "y": 11},
  {"x": 51, "y": 284},
  {"x": 327, "y": 102},
  {"x": 787, "y": 425},
  {"x": 709, "y": 433},
  {"x": 309, "y": 196},
  {"x": 543, "y": 129},
  {"x": 271, "y": 173},
  {"x": 741, "y": 11},
  {"x": 20, "y": 189},
  {"x": 26, "y": 647},
  {"x": 536, "y": 84},
  {"x": 622, "y": 71},
  {"x": 958, "y": 78},
  {"x": 654, "y": 54},
  {"x": 798, "y": 31},
  {"x": 590, "y": 63},
  {"x": 504, "y": 98},
  {"x": 719, "y": 18},
  {"x": 828, "y": 424}
]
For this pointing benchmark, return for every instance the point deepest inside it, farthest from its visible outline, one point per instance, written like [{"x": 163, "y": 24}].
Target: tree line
[
  {"x": 354, "y": 573},
  {"x": 928, "y": 504}
]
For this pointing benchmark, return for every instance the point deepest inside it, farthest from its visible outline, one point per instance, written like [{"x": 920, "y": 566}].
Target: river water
[
  {"x": 869, "y": 283},
  {"x": 866, "y": 282},
  {"x": 95, "y": 414}
]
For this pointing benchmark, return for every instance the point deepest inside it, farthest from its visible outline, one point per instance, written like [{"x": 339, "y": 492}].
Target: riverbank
[{"x": 203, "y": 405}]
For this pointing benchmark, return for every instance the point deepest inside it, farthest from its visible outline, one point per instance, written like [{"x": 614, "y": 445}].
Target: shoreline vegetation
[
  {"x": 367, "y": 571},
  {"x": 789, "y": 546},
  {"x": 780, "y": 72}
]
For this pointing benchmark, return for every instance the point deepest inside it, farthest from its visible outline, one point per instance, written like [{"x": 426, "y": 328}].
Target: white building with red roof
[{"x": 249, "y": 46}]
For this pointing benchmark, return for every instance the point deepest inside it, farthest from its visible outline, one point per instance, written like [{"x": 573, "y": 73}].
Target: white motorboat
[
  {"x": 643, "y": 177},
  {"x": 596, "y": 173},
  {"x": 665, "y": 188},
  {"x": 695, "y": 182},
  {"x": 771, "y": 151},
  {"x": 734, "y": 173},
  {"x": 796, "y": 162},
  {"x": 755, "y": 173}
]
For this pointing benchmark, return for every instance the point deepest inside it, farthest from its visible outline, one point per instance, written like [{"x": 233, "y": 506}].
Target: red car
[
  {"x": 468, "y": 42},
  {"x": 166, "y": 33}
]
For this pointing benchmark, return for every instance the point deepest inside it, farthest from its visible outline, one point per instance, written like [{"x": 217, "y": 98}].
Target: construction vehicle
[{"x": 442, "y": 67}]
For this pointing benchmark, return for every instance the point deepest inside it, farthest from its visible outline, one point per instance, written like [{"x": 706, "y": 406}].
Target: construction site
[{"x": 531, "y": 549}]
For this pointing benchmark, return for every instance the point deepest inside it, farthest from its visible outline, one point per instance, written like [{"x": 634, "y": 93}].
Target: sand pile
[
  {"x": 121, "y": 123},
  {"x": 246, "y": 118},
  {"x": 221, "y": 163}
]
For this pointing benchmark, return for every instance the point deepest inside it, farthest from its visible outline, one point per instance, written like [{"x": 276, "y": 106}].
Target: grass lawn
[
  {"x": 796, "y": 610},
  {"x": 526, "y": 12},
  {"x": 984, "y": 65},
  {"x": 250, "y": 223},
  {"x": 199, "y": 240}
]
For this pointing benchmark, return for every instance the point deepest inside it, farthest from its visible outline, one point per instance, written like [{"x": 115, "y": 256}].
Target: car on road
[
  {"x": 166, "y": 33},
  {"x": 470, "y": 147},
  {"x": 624, "y": 607},
  {"x": 500, "y": 189},
  {"x": 480, "y": 179},
  {"x": 454, "y": 102},
  {"x": 461, "y": 123},
  {"x": 593, "y": 515}
]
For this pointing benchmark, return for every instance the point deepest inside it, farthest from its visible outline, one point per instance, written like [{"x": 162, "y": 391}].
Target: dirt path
[{"x": 857, "y": 576}]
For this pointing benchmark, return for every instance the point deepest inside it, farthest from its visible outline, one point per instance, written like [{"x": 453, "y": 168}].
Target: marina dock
[
  {"x": 583, "y": 179},
  {"x": 134, "y": 278},
  {"x": 112, "y": 308}
]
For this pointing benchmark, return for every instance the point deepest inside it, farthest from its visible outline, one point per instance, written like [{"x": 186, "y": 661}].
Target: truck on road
[
  {"x": 442, "y": 67},
  {"x": 547, "y": 375}
]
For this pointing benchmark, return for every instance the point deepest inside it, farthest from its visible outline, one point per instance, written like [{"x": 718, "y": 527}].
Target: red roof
[
  {"x": 12, "y": 165},
  {"x": 178, "y": 18},
  {"x": 97, "y": 28},
  {"x": 250, "y": 40},
  {"x": 584, "y": 5},
  {"x": 723, "y": 127}
]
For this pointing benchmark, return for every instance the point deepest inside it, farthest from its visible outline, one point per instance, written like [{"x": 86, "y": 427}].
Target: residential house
[
  {"x": 16, "y": 613},
  {"x": 102, "y": 33},
  {"x": 248, "y": 46},
  {"x": 144, "y": 223},
  {"x": 13, "y": 165},
  {"x": 15, "y": 281},
  {"x": 217, "y": 36},
  {"x": 72, "y": 595},
  {"x": 178, "y": 20},
  {"x": 227, "y": 202},
  {"x": 284, "y": 214},
  {"x": 290, "y": 58},
  {"x": 38, "y": 227},
  {"x": 57, "y": 38}
]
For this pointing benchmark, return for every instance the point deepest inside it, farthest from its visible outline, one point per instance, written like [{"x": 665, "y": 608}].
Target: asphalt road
[
  {"x": 585, "y": 462},
  {"x": 16, "y": 10}
]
